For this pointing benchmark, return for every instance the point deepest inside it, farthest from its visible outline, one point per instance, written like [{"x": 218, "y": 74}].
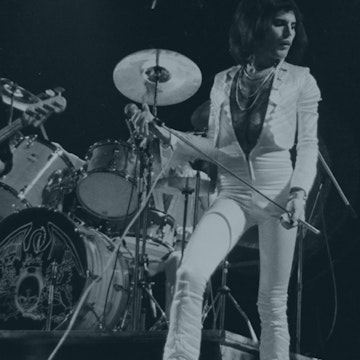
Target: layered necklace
[{"x": 246, "y": 95}]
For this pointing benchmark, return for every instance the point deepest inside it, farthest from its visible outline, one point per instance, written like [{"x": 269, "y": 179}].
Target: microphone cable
[{"x": 332, "y": 272}]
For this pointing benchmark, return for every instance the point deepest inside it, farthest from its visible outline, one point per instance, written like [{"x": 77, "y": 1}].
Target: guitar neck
[{"x": 11, "y": 129}]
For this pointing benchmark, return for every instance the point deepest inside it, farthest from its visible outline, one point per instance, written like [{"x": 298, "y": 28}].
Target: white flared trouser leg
[
  {"x": 276, "y": 253},
  {"x": 212, "y": 239},
  {"x": 184, "y": 337}
]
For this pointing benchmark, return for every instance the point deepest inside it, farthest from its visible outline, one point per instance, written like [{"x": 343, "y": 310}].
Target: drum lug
[
  {"x": 21, "y": 195},
  {"x": 59, "y": 151},
  {"x": 92, "y": 276},
  {"x": 30, "y": 140},
  {"x": 110, "y": 247},
  {"x": 119, "y": 287}
]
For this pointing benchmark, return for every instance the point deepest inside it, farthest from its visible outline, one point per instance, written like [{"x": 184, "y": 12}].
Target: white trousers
[{"x": 216, "y": 234}]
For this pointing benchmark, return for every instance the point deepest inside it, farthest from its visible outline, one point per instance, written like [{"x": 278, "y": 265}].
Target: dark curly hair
[{"x": 250, "y": 22}]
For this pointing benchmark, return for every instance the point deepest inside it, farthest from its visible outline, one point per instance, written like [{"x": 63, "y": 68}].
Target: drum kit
[{"x": 62, "y": 228}]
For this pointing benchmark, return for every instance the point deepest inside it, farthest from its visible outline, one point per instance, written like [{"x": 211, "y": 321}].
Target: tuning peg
[
  {"x": 50, "y": 92},
  {"x": 59, "y": 90}
]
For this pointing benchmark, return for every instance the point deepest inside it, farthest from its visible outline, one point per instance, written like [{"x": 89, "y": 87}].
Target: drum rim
[
  {"x": 102, "y": 170},
  {"x": 103, "y": 218},
  {"x": 105, "y": 142},
  {"x": 49, "y": 144},
  {"x": 167, "y": 216}
]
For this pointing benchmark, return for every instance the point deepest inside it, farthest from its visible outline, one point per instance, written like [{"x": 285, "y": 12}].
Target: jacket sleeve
[
  {"x": 307, "y": 139},
  {"x": 184, "y": 152}
]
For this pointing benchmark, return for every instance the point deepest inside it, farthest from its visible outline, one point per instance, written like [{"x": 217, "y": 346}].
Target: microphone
[{"x": 130, "y": 110}]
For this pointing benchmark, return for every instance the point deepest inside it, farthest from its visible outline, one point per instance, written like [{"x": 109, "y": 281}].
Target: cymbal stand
[
  {"x": 140, "y": 283},
  {"x": 155, "y": 306},
  {"x": 224, "y": 293}
]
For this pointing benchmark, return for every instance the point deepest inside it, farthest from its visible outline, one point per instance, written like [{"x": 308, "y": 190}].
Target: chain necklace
[{"x": 257, "y": 92}]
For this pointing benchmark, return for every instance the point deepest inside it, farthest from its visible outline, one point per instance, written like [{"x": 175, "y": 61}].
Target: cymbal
[
  {"x": 177, "y": 77},
  {"x": 200, "y": 117}
]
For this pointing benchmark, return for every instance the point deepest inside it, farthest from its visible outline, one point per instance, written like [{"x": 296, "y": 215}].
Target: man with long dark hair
[{"x": 257, "y": 109}]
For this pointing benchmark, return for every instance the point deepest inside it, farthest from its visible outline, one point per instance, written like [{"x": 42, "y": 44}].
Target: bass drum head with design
[{"x": 40, "y": 251}]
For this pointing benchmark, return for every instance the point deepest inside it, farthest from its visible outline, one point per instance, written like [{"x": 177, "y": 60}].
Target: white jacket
[{"x": 292, "y": 108}]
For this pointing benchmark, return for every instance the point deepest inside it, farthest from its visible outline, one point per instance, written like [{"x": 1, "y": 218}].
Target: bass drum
[{"x": 47, "y": 263}]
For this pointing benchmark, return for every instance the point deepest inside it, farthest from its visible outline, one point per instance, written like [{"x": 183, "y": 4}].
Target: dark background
[{"x": 77, "y": 44}]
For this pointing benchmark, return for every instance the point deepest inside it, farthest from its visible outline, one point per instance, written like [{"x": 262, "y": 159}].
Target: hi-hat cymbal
[
  {"x": 200, "y": 117},
  {"x": 177, "y": 77}
]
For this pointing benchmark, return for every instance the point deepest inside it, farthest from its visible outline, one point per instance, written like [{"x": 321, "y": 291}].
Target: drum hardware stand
[
  {"x": 53, "y": 274},
  {"x": 141, "y": 285},
  {"x": 224, "y": 293},
  {"x": 122, "y": 325},
  {"x": 147, "y": 288},
  {"x": 137, "y": 321}
]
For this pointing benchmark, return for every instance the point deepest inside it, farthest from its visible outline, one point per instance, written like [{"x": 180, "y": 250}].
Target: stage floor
[{"x": 97, "y": 345}]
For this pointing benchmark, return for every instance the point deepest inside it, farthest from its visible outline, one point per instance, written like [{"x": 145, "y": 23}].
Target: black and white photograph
[{"x": 179, "y": 180}]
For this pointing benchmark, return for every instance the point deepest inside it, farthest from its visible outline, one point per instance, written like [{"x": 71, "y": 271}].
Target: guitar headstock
[{"x": 49, "y": 102}]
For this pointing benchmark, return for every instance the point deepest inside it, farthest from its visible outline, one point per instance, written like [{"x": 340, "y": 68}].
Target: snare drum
[
  {"x": 34, "y": 163},
  {"x": 160, "y": 236},
  {"x": 44, "y": 256},
  {"x": 107, "y": 188}
]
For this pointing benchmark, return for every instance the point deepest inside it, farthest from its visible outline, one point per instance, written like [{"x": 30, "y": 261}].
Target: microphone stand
[
  {"x": 140, "y": 285},
  {"x": 299, "y": 290},
  {"x": 337, "y": 186},
  {"x": 136, "y": 304}
]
